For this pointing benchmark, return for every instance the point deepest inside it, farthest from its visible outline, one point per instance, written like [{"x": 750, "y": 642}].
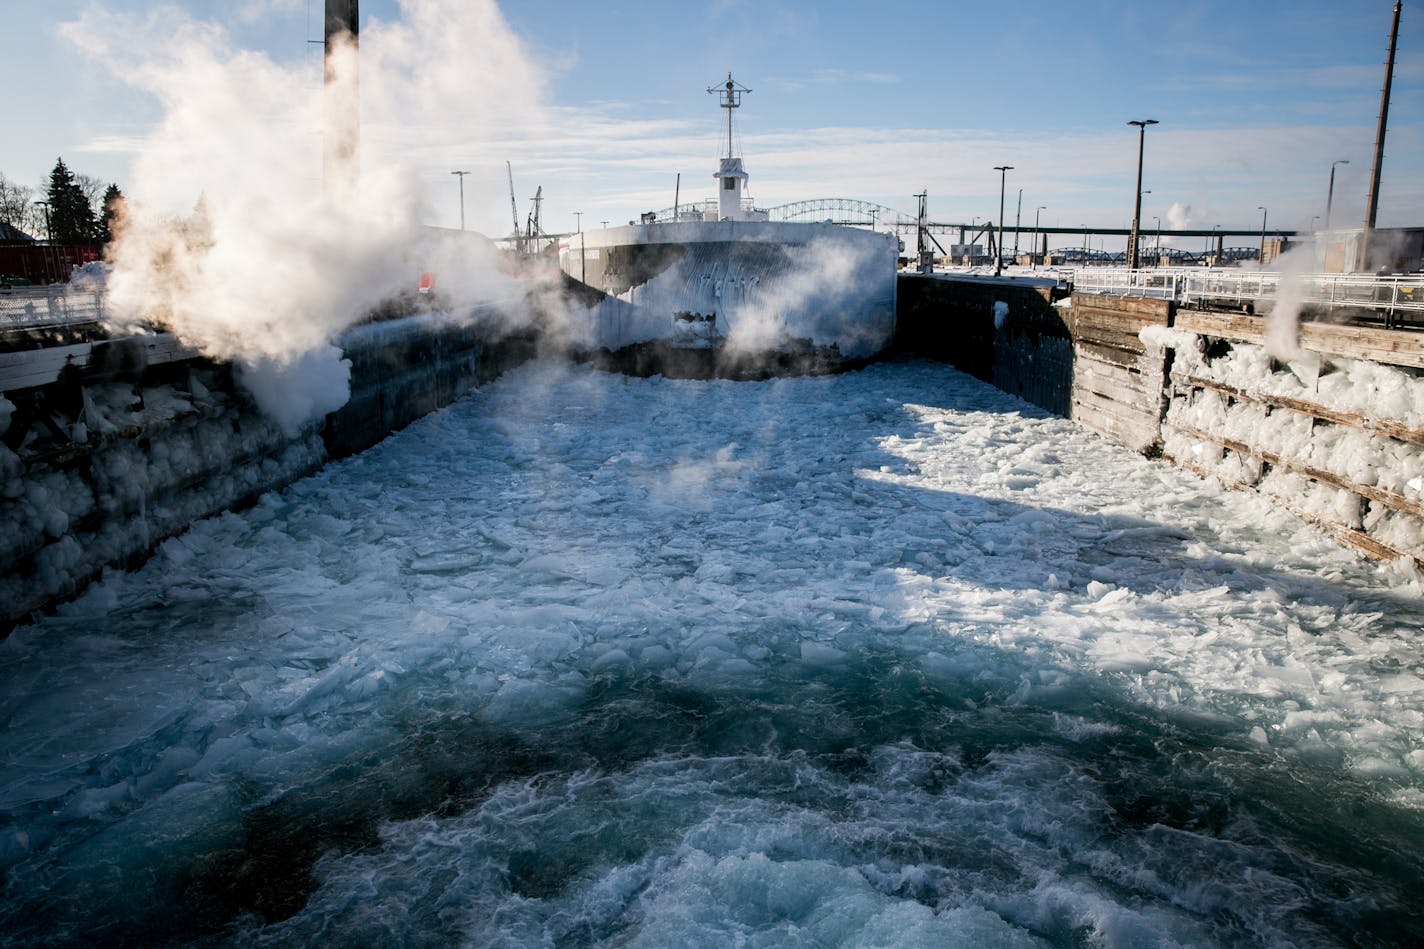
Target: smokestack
[
  {"x": 340, "y": 168},
  {"x": 1373, "y": 203}
]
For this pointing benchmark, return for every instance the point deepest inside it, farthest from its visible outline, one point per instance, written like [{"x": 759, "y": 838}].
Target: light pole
[
  {"x": 1158, "y": 262},
  {"x": 1330, "y": 192},
  {"x": 583, "y": 257},
  {"x": 461, "y": 175},
  {"x": 45, "y": 205},
  {"x": 1018, "y": 219},
  {"x": 1003, "y": 171},
  {"x": 1137, "y": 192},
  {"x": 1261, "y": 254},
  {"x": 1033, "y": 251}
]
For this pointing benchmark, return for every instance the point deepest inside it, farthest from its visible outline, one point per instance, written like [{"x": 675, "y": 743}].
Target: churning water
[{"x": 884, "y": 659}]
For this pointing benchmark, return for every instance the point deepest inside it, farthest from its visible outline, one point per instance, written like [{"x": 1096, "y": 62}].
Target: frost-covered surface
[
  {"x": 887, "y": 658},
  {"x": 158, "y": 459},
  {"x": 1373, "y": 391}
]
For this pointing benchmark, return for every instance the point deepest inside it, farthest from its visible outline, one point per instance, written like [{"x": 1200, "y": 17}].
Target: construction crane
[
  {"x": 532, "y": 231},
  {"x": 514, "y": 210}
]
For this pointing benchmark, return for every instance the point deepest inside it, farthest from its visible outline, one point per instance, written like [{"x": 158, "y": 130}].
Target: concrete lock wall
[
  {"x": 1332, "y": 431},
  {"x": 120, "y": 445}
]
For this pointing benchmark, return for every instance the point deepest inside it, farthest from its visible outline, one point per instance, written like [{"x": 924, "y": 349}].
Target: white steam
[
  {"x": 229, "y": 241},
  {"x": 821, "y": 295},
  {"x": 1179, "y": 216},
  {"x": 1284, "y": 308}
]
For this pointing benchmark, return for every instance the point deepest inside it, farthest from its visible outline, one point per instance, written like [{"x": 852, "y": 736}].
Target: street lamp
[
  {"x": 45, "y": 205},
  {"x": 583, "y": 247},
  {"x": 1033, "y": 251},
  {"x": 1137, "y": 192},
  {"x": 1261, "y": 254},
  {"x": 1159, "y": 240},
  {"x": 1018, "y": 219},
  {"x": 1003, "y": 171},
  {"x": 461, "y": 175},
  {"x": 1330, "y": 193}
]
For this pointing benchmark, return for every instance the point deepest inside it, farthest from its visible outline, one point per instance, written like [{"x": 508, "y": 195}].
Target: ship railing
[
  {"x": 1396, "y": 298},
  {"x": 56, "y": 305}
]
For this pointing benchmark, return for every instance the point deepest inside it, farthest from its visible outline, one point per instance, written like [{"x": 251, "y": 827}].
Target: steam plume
[{"x": 228, "y": 240}]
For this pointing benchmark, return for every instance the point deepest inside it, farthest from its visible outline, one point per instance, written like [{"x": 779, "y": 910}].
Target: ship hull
[{"x": 752, "y": 291}]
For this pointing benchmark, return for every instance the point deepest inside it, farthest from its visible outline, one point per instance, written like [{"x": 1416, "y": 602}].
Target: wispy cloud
[
  {"x": 113, "y": 145},
  {"x": 830, "y": 77},
  {"x": 614, "y": 167}
]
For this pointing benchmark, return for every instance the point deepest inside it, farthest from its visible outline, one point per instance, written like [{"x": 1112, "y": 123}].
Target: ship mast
[{"x": 731, "y": 93}]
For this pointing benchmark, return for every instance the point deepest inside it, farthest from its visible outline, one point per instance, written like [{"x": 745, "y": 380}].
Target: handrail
[
  {"x": 28, "y": 307},
  {"x": 1390, "y": 294}
]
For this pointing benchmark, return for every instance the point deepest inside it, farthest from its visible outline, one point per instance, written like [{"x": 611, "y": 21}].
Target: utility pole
[
  {"x": 583, "y": 257},
  {"x": 461, "y": 175},
  {"x": 1137, "y": 192},
  {"x": 1033, "y": 251},
  {"x": 1003, "y": 171},
  {"x": 1018, "y": 220},
  {"x": 1373, "y": 203}
]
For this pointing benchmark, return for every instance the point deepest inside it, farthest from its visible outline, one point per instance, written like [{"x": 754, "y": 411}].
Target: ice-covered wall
[
  {"x": 1333, "y": 433},
  {"x": 1336, "y": 440},
  {"x": 97, "y": 468},
  {"x": 137, "y": 464}
]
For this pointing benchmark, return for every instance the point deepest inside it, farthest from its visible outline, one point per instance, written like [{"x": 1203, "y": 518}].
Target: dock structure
[
  {"x": 1296, "y": 412},
  {"x": 108, "y": 446}
]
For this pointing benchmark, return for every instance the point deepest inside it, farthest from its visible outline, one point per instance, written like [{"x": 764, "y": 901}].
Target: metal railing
[
  {"x": 56, "y": 305},
  {"x": 1395, "y": 298}
]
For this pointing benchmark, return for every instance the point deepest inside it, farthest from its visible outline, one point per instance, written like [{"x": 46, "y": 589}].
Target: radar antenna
[{"x": 731, "y": 93}]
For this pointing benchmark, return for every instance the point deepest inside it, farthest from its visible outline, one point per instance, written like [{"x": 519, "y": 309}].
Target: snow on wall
[{"x": 1356, "y": 456}]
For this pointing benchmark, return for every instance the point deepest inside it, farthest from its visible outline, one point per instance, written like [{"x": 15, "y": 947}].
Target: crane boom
[{"x": 514, "y": 208}]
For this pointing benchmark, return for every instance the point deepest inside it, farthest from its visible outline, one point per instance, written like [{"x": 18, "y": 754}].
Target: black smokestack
[{"x": 342, "y": 134}]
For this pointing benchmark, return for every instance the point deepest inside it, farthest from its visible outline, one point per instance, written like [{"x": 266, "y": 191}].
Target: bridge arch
[{"x": 839, "y": 211}]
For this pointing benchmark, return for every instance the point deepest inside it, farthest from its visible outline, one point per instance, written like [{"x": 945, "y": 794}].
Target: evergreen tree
[
  {"x": 71, "y": 218},
  {"x": 113, "y": 211}
]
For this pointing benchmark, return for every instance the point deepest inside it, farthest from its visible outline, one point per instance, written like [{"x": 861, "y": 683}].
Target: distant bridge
[
  {"x": 846, "y": 211},
  {"x": 852, "y": 212}
]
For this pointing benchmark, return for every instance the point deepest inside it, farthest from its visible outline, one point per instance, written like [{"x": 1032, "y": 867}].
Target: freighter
[{"x": 723, "y": 278}]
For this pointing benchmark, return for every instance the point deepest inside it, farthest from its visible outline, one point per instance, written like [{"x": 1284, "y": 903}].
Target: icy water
[{"x": 885, "y": 659}]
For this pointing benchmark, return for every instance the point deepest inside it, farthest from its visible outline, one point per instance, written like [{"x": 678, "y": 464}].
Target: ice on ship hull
[
  {"x": 741, "y": 288},
  {"x": 725, "y": 286}
]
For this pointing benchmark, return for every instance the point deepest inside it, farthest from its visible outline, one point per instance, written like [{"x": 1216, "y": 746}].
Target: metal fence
[
  {"x": 56, "y": 305},
  {"x": 1395, "y": 299}
]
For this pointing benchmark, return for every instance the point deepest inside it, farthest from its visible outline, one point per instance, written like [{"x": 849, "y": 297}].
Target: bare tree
[
  {"x": 16, "y": 204},
  {"x": 93, "y": 190}
]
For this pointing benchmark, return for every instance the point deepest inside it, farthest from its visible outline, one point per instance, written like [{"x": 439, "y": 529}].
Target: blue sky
[{"x": 604, "y": 104}]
